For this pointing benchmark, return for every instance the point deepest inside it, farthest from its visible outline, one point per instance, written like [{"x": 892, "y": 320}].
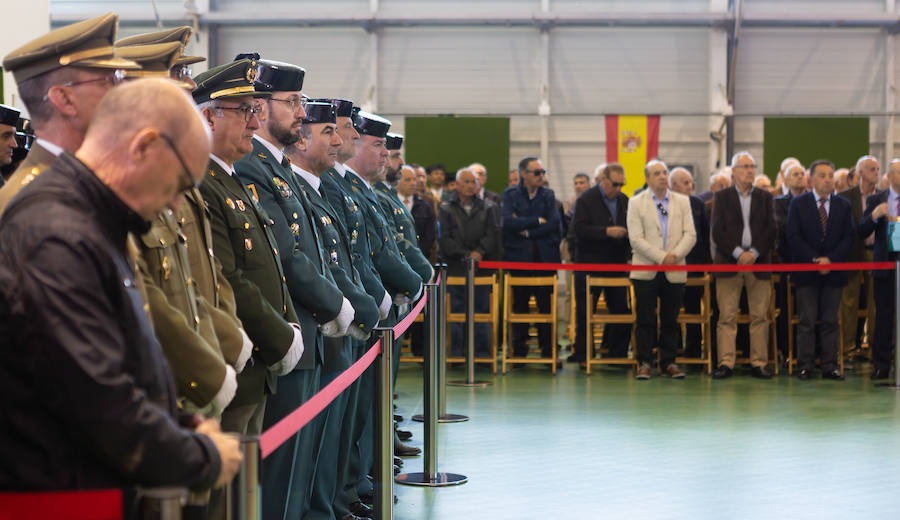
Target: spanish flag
[{"x": 632, "y": 141}]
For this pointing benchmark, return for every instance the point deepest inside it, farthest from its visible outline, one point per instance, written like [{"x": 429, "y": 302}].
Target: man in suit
[
  {"x": 423, "y": 216},
  {"x": 681, "y": 181},
  {"x": 481, "y": 175},
  {"x": 743, "y": 230},
  {"x": 531, "y": 233},
  {"x": 311, "y": 157},
  {"x": 820, "y": 229},
  {"x": 881, "y": 208},
  {"x": 599, "y": 227},
  {"x": 580, "y": 183},
  {"x": 867, "y": 169},
  {"x": 794, "y": 175},
  {"x": 661, "y": 232}
]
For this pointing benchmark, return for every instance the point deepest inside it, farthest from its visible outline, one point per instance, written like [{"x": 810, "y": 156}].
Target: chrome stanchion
[
  {"x": 244, "y": 497},
  {"x": 470, "y": 329},
  {"x": 441, "y": 358},
  {"x": 163, "y": 503},
  {"x": 430, "y": 477},
  {"x": 384, "y": 428},
  {"x": 896, "y": 384}
]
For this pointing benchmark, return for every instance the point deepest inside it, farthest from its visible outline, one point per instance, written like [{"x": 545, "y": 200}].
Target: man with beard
[
  {"x": 9, "y": 116},
  {"x": 310, "y": 157},
  {"x": 320, "y": 306}
]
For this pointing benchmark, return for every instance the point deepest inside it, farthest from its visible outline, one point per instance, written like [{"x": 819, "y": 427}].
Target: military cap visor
[
  {"x": 317, "y": 112},
  {"x": 179, "y": 34},
  {"x": 9, "y": 116},
  {"x": 393, "y": 141},
  {"x": 87, "y": 44},
  {"x": 235, "y": 79},
  {"x": 370, "y": 124}
]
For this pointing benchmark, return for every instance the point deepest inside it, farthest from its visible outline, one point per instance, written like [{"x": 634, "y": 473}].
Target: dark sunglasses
[
  {"x": 662, "y": 210},
  {"x": 537, "y": 172}
]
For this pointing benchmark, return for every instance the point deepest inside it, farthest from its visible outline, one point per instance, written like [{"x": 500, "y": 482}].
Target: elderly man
[
  {"x": 867, "y": 169},
  {"x": 599, "y": 226},
  {"x": 762, "y": 182},
  {"x": 743, "y": 231},
  {"x": 661, "y": 232},
  {"x": 781, "y": 177},
  {"x": 468, "y": 230},
  {"x": 61, "y": 94},
  {"x": 795, "y": 181},
  {"x": 840, "y": 179},
  {"x": 513, "y": 177},
  {"x": 681, "y": 181},
  {"x": 84, "y": 377},
  {"x": 820, "y": 228},
  {"x": 881, "y": 208},
  {"x": 481, "y": 176},
  {"x": 531, "y": 233}
]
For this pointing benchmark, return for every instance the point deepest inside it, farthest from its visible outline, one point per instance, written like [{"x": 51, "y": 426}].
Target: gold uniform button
[
  {"x": 283, "y": 280},
  {"x": 194, "y": 385},
  {"x": 284, "y": 308},
  {"x": 146, "y": 307},
  {"x": 256, "y": 349},
  {"x": 246, "y": 225},
  {"x": 295, "y": 215}
]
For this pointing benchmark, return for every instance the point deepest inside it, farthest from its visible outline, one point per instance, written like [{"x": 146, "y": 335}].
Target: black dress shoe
[
  {"x": 723, "y": 372},
  {"x": 404, "y": 435},
  {"x": 834, "y": 375},
  {"x": 398, "y": 418},
  {"x": 880, "y": 373},
  {"x": 361, "y": 510},
  {"x": 405, "y": 450},
  {"x": 367, "y": 499},
  {"x": 804, "y": 375},
  {"x": 398, "y": 461},
  {"x": 572, "y": 358},
  {"x": 760, "y": 373}
]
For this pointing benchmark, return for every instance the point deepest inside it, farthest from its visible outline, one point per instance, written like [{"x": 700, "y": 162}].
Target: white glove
[
  {"x": 338, "y": 326},
  {"x": 246, "y": 352},
  {"x": 385, "y": 308},
  {"x": 356, "y": 332},
  {"x": 290, "y": 360},
  {"x": 399, "y": 300},
  {"x": 226, "y": 391}
]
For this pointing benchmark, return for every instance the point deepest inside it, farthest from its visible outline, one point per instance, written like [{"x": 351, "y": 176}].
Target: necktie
[
  {"x": 286, "y": 163},
  {"x": 823, "y": 216}
]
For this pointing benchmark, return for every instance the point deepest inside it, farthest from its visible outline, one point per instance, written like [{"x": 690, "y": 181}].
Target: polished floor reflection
[{"x": 608, "y": 446}]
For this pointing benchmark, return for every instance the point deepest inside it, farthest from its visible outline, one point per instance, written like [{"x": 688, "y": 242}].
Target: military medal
[
  {"x": 240, "y": 204},
  {"x": 334, "y": 256},
  {"x": 353, "y": 236},
  {"x": 248, "y": 244},
  {"x": 230, "y": 203},
  {"x": 167, "y": 270},
  {"x": 295, "y": 228}
]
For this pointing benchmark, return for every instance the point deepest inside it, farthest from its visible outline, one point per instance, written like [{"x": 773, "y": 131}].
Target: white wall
[{"x": 31, "y": 18}]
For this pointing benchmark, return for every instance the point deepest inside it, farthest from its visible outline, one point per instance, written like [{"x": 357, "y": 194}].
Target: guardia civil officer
[
  {"x": 310, "y": 157},
  {"x": 319, "y": 303}
]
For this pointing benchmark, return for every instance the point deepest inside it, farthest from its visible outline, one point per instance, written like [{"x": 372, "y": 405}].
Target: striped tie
[{"x": 823, "y": 216}]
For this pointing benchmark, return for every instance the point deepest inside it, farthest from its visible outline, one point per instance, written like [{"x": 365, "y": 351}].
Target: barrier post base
[
  {"x": 446, "y": 418},
  {"x": 427, "y": 480},
  {"x": 471, "y": 384}
]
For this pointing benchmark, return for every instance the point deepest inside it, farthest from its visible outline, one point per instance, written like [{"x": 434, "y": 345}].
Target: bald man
[{"x": 94, "y": 388}]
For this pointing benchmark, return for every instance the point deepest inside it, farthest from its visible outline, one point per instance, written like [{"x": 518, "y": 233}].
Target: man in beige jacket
[{"x": 661, "y": 231}]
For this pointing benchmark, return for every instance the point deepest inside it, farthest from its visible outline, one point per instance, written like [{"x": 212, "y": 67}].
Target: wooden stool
[
  {"x": 492, "y": 317},
  {"x": 509, "y": 282},
  {"x": 593, "y": 317}
]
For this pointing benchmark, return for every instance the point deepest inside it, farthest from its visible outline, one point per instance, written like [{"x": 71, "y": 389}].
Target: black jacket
[
  {"x": 88, "y": 399},
  {"x": 782, "y": 247},
  {"x": 701, "y": 253},
  {"x": 881, "y": 252},
  {"x": 804, "y": 233},
  {"x": 463, "y": 232},
  {"x": 423, "y": 214},
  {"x": 591, "y": 219}
]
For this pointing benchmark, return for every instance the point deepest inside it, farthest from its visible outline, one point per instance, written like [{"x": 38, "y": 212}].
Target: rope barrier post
[
  {"x": 430, "y": 477},
  {"x": 162, "y": 503},
  {"x": 440, "y": 326},
  {"x": 384, "y": 428},
  {"x": 244, "y": 497},
  {"x": 471, "y": 265}
]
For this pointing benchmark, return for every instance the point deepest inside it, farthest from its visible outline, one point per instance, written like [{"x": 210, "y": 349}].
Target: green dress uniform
[
  {"x": 317, "y": 299},
  {"x": 211, "y": 283},
  {"x": 180, "y": 320},
  {"x": 404, "y": 226},
  {"x": 243, "y": 243}
]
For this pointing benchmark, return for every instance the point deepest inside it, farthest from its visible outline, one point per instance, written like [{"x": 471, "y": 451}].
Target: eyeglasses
[
  {"x": 617, "y": 184},
  {"x": 295, "y": 103},
  {"x": 662, "y": 210},
  {"x": 246, "y": 111},
  {"x": 118, "y": 76},
  {"x": 745, "y": 166},
  {"x": 537, "y": 172},
  {"x": 180, "y": 72},
  {"x": 188, "y": 180}
]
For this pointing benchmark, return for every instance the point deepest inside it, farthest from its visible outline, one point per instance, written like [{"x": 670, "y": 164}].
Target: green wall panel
[
  {"x": 842, "y": 140},
  {"x": 459, "y": 141}
]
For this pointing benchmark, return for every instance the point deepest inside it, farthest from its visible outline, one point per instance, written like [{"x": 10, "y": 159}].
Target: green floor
[{"x": 608, "y": 446}]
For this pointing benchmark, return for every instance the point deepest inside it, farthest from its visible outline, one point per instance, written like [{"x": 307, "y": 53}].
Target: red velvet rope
[{"x": 101, "y": 504}]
